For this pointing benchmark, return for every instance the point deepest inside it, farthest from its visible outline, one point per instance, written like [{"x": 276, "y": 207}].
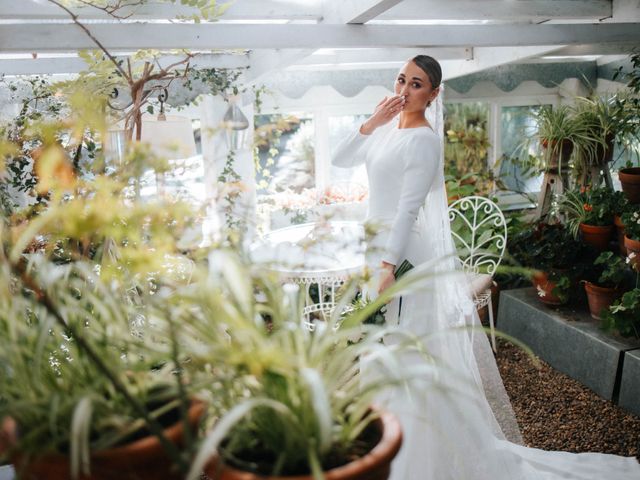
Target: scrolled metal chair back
[{"x": 479, "y": 230}]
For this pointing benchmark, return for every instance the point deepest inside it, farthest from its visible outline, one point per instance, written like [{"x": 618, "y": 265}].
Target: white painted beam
[
  {"x": 65, "y": 37},
  {"x": 264, "y": 61},
  {"x": 499, "y": 10},
  {"x": 368, "y": 55},
  {"x": 484, "y": 58},
  {"x": 355, "y": 11},
  {"x": 61, "y": 65},
  {"x": 626, "y": 11},
  {"x": 239, "y": 10},
  {"x": 597, "y": 49}
]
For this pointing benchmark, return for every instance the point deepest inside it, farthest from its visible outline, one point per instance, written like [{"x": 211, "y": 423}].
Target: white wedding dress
[{"x": 460, "y": 426}]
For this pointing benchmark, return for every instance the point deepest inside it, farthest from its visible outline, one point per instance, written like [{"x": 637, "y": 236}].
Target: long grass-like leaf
[
  {"x": 218, "y": 433},
  {"x": 80, "y": 428},
  {"x": 321, "y": 407}
]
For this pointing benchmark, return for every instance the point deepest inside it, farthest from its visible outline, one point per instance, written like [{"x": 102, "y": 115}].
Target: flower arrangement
[{"x": 343, "y": 193}]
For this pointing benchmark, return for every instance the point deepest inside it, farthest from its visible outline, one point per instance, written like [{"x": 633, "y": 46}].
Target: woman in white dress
[{"x": 461, "y": 427}]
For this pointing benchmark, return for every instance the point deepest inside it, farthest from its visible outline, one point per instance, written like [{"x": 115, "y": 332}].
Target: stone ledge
[
  {"x": 629, "y": 398},
  {"x": 577, "y": 348}
]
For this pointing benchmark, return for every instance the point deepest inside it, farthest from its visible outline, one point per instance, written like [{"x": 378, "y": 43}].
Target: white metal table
[{"x": 322, "y": 254}]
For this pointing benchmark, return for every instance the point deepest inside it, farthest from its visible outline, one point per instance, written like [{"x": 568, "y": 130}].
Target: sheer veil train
[{"x": 461, "y": 426}]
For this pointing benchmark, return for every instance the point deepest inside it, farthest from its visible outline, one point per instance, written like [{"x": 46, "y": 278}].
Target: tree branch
[{"x": 74, "y": 17}]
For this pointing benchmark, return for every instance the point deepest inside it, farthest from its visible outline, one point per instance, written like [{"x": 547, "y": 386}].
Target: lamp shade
[
  {"x": 234, "y": 119},
  {"x": 115, "y": 144},
  {"x": 171, "y": 138},
  {"x": 236, "y": 125}
]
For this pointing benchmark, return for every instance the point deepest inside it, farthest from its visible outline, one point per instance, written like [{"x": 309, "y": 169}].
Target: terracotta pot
[
  {"x": 375, "y": 465},
  {"x": 633, "y": 246},
  {"x": 544, "y": 289},
  {"x": 600, "y": 298},
  {"x": 144, "y": 459},
  {"x": 604, "y": 153},
  {"x": 617, "y": 221},
  {"x": 630, "y": 181},
  {"x": 557, "y": 154},
  {"x": 596, "y": 236}
]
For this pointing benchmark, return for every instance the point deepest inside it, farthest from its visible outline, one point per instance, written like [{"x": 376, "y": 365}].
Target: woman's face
[{"x": 414, "y": 84}]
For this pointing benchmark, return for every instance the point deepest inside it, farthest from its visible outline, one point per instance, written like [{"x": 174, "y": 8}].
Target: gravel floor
[{"x": 556, "y": 412}]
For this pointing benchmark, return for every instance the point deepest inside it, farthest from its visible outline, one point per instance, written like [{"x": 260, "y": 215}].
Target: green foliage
[
  {"x": 614, "y": 270},
  {"x": 467, "y": 143},
  {"x": 558, "y": 127},
  {"x": 301, "y": 403},
  {"x": 546, "y": 247},
  {"x": 459, "y": 187},
  {"x": 46, "y": 374},
  {"x": 267, "y": 133},
  {"x": 37, "y": 133},
  {"x": 562, "y": 285},
  {"x": 623, "y": 315},
  {"x": 607, "y": 119},
  {"x": 631, "y": 221},
  {"x": 591, "y": 206}
]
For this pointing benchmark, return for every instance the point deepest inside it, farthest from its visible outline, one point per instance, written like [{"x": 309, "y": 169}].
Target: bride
[{"x": 462, "y": 426}]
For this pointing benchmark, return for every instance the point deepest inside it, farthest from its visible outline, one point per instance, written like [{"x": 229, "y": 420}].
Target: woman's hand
[
  {"x": 386, "y": 277},
  {"x": 384, "y": 112}
]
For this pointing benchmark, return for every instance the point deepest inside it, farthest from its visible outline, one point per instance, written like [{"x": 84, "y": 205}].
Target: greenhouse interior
[{"x": 320, "y": 239}]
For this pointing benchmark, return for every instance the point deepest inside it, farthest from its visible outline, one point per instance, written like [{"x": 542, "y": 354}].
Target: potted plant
[
  {"x": 602, "y": 294},
  {"x": 83, "y": 396},
  {"x": 619, "y": 204},
  {"x": 293, "y": 403},
  {"x": 557, "y": 131},
  {"x": 631, "y": 221},
  {"x": 552, "y": 250},
  {"x": 624, "y": 314},
  {"x": 630, "y": 181},
  {"x": 83, "y": 392},
  {"x": 630, "y": 175},
  {"x": 608, "y": 120},
  {"x": 560, "y": 133},
  {"x": 590, "y": 212}
]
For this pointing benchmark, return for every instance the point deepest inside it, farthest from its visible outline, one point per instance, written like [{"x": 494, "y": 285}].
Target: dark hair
[{"x": 431, "y": 67}]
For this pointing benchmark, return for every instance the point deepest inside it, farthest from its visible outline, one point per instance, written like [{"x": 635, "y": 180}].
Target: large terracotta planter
[
  {"x": 375, "y": 465},
  {"x": 544, "y": 289},
  {"x": 596, "y": 236},
  {"x": 630, "y": 181},
  {"x": 600, "y": 298},
  {"x": 633, "y": 246},
  {"x": 617, "y": 221},
  {"x": 144, "y": 459}
]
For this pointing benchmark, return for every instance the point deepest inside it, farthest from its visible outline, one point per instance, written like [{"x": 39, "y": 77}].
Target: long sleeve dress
[
  {"x": 402, "y": 165},
  {"x": 457, "y": 419}
]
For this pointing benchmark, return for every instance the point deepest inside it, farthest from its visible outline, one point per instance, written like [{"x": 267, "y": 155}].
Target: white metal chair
[{"x": 479, "y": 230}]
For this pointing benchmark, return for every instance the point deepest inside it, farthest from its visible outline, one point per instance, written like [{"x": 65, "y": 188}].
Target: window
[
  {"x": 340, "y": 127},
  {"x": 516, "y": 124},
  {"x": 285, "y": 157}
]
